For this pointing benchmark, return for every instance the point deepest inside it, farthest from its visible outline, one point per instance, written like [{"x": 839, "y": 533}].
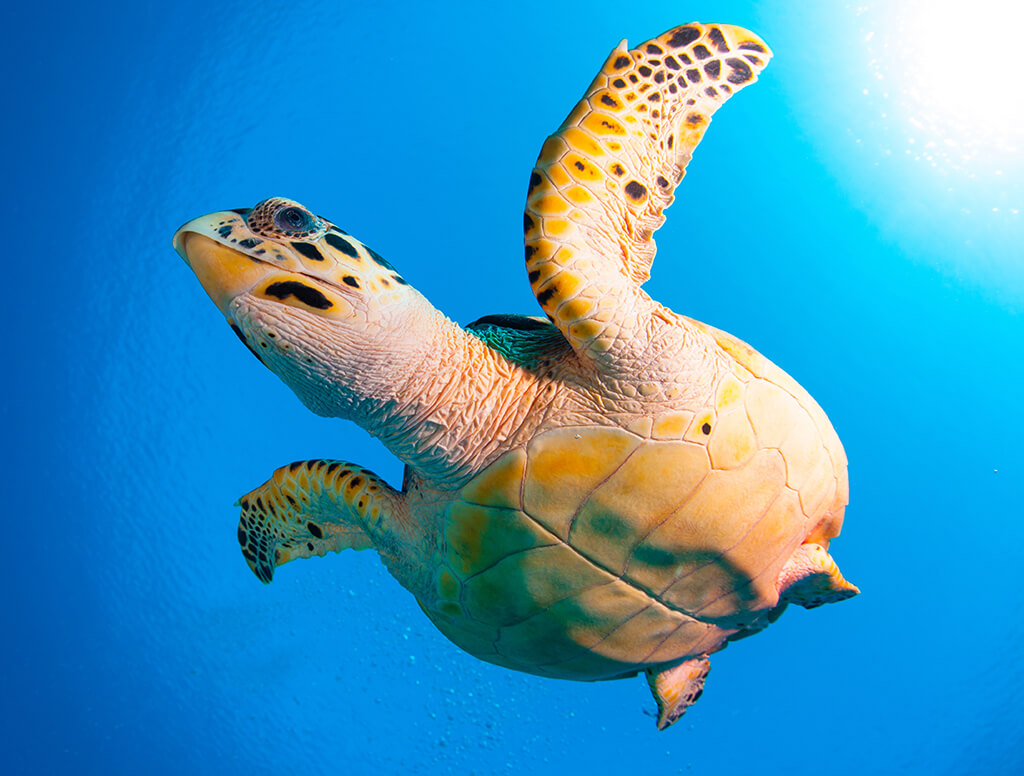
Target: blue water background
[{"x": 137, "y": 640}]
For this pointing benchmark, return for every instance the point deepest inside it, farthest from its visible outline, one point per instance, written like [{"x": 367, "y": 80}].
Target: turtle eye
[{"x": 294, "y": 219}]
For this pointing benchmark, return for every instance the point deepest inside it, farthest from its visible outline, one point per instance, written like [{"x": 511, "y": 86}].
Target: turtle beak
[
  {"x": 178, "y": 241},
  {"x": 202, "y": 225},
  {"x": 223, "y": 271}
]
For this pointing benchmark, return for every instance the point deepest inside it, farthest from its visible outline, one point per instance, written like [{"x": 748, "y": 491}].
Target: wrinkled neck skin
[{"x": 411, "y": 377}]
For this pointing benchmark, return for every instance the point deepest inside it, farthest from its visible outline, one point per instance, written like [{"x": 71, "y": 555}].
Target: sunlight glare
[{"x": 950, "y": 72}]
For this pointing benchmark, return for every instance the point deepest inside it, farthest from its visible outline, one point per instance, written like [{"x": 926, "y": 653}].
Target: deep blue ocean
[{"x": 855, "y": 216}]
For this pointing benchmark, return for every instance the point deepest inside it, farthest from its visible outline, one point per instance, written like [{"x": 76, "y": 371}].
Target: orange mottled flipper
[
  {"x": 311, "y": 508},
  {"x": 602, "y": 181},
  {"x": 811, "y": 578},
  {"x": 676, "y": 689}
]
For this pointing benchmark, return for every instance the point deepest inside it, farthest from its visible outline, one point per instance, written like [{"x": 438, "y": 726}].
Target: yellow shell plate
[{"x": 596, "y": 551}]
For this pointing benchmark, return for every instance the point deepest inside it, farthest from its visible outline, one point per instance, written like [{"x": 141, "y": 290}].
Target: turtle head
[{"x": 320, "y": 309}]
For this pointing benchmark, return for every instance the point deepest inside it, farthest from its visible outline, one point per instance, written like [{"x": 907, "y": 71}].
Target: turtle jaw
[{"x": 224, "y": 272}]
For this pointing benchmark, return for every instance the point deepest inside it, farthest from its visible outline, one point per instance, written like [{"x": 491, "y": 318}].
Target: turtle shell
[{"x": 596, "y": 551}]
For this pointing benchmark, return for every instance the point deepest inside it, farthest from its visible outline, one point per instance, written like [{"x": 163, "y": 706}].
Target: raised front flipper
[
  {"x": 602, "y": 181},
  {"x": 311, "y": 508},
  {"x": 676, "y": 689},
  {"x": 811, "y": 578}
]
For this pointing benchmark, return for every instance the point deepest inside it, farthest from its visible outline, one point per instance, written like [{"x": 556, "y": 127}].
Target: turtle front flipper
[
  {"x": 311, "y": 508},
  {"x": 602, "y": 181}
]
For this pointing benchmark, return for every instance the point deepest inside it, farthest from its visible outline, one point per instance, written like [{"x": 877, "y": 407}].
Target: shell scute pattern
[
  {"x": 585, "y": 518},
  {"x": 615, "y": 489}
]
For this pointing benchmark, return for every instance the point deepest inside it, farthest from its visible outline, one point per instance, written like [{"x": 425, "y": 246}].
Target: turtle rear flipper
[
  {"x": 811, "y": 578},
  {"x": 676, "y": 689},
  {"x": 311, "y": 508}
]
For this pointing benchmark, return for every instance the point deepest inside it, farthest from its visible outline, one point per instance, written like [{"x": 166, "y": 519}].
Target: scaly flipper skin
[
  {"x": 619, "y": 490},
  {"x": 811, "y": 578},
  {"x": 311, "y": 508},
  {"x": 602, "y": 181},
  {"x": 676, "y": 689}
]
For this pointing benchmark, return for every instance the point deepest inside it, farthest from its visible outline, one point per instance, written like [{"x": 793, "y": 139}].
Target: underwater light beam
[{"x": 952, "y": 73}]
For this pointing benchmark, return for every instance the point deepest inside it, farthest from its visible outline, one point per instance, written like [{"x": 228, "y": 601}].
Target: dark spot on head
[
  {"x": 662, "y": 181},
  {"x": 348, "y": 280},
  {"x": 751, "y": 46},
  {"x": 636, "y": 191},
  {"x": 309, "y": 546},
  {"x": 308, "y": 295},
  {"x": 618, "y": 169},
  {"x": 224, "y": 231},
  {"x": 333, "y": 467},
  {"x": 694, "y": 119},
  {"x": 711, "y": 91},
  {"x": 741, "y": 72},
  {"x": 341, "y": 244},
  {"x": 654, "y": 97},
  {"x": 618, "y": 83},
  {"x": 653, "y": 48},
  {"x": 527, "y": 224},
  {"x": 336, "y": 229},
  {"x": 534, "y": 274},
  {"x": 701, "y": 51},
  {"x": 717, "y": 39},
  {"x": 242, "y": 211},
  {"x": 242, "y": 537},
  {"x": 621, "y": 62},
  {"x": 713, "y": 68},
  {"x": 295, "y": 466},
  {"x": 633, "y": 78},
  {"x": 683, "y": 37},
  {"x": 379, "y": 259},
  {"x": 355, "y": 482},
  {"x": 706, "y": 428},
  {"x": 314, "y": 529},
  {"x": 693, "y": 75},
  {"x": 753, "y": 60},
  {"x": 308, "y": 250},
  {"x": 579, "y": 165},
  {"x": 659, "y": 77},
  {"x": 535, "y": 180},
  {"x": 645, "y": 71},
  {"x": 671, "y": 141},
  {"x": 671, "y": 63},
  {"x": 400, "y": 280},
  {"x": 607, "y": 99},
  {"x": 249, "y": 242}
]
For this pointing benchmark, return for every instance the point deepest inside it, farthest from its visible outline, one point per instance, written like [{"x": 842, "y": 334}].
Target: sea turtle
[{"x": 611, "y": 489}]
